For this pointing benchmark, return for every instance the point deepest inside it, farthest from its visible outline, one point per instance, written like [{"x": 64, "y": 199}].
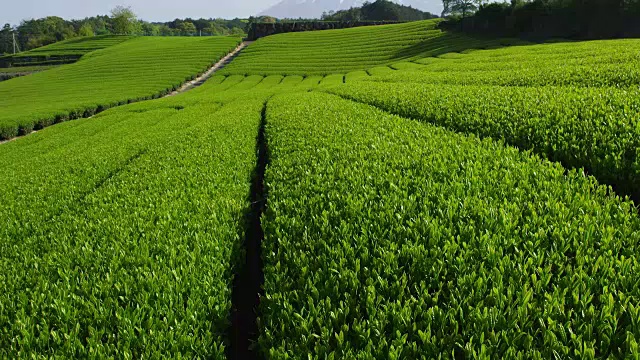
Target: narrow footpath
[{"x": 216, "y": 67}]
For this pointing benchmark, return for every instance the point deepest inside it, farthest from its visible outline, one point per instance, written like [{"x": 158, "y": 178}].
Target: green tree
[
  {"x": 123, "y": 20},
  {"x": 464, "y": 7},
  {"x": 86, "y": 30},
  {"x": 165, "y": 30},
  {"x": 236, "y": 31},
  {"x": 267, "y": 19},
  {"x": 380, "y": 10},
  {"x": 100, "y": 25},
  {"x": 215, "y": 29},
  {"x": 187, "y": 28},
  {"x": 150, "y": 29},
  {"x": 200, "y": 24},
  {"x": 446, "y": 7},
  {"x": 38, "y": 32},
  {"x": 6, "y": 39}
]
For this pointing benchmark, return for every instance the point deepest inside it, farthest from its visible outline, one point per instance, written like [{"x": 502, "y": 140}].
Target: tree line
[
  {"x": 524, "y": 18},
  {"x": 34, "y": 33},
  {"x": 580, "y": 19},
  {"x": 379, "y": 10}
]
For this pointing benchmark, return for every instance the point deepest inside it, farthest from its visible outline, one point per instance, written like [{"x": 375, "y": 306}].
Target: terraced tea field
[
  {"x": 63, "y": 51},
  {"x": 56, "y": 54},
  {"x": 340, "y": 51},
  {"x": 386, "y": 237},
  {"x": 415, "y": 203},
  {"x": 12, "y": 72},
  {"x": 141, "y": 68}
]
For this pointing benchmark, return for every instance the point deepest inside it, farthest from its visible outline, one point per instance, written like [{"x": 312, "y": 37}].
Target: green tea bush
[
  {"x": 390, "y": 238},
  {"x": 591, "y": 128},
  {"x": 608, "y": 63},
  {"x": 121, "y": 234},
  {"x": 134, "y": 70},
  {"x": 340, "y": 51}
]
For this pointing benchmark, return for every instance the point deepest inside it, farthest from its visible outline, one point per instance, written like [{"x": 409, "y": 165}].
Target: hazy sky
[{"x": 13, "y": 11}]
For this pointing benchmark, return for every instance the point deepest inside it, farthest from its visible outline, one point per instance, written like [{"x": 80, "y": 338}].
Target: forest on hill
[
  {"x": 34, "y": 33},
  {"x": 582, "y": 19},
  {"x": 380, "y": 10},
  {"x": 539, "y": 19}
]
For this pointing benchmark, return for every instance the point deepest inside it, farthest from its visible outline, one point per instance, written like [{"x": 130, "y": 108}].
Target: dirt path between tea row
[{"x": 218, "y": 66}]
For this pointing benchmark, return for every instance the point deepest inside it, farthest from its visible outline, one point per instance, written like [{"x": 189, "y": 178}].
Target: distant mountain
[{"x": 310, "y": 9}]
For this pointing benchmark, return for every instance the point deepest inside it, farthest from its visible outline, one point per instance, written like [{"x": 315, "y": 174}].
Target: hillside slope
[
  {"x": 437, "y": 205},
  {"x": 340, "y": 51},
  {"x": 77, "y": 46},
  {"x": 138, "y": 68},
  {"x": 63, "y": 51}
]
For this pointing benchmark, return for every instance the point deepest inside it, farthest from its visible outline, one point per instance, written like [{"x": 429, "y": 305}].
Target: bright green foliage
[
  {"x": 331, "y": 80},
  {"x": 589, "y": 63},
  {"x": 592, "y": 128},
  {"x": 140, "y": 68},
  {"x": 310, "y": 82},
  {"x": 355, "y": 75},
  {"x": 341, "y": 51},
  {"x": 380, "y": 71},
  {"x": 407, "y": 65},
  {"x": 121, "y": 234},
  {"x": 387, "y": 238},
  {"x": 74, "y": 47}
]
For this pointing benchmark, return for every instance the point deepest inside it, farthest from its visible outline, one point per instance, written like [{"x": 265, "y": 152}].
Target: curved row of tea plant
[
  {"x": 389, "y": 238},
  {"x": 428, "y": 55},
  {"x": 612, "y": 63},
  {"x": 123, "y": 231},
  {"x": 591, "y": 128},
  {"x": 340, "y": 51},
  {"x": 540, "y": 55},
  {"x": 607, "y": 75},
  {"x": 141, "y": 68},
  {"x": 121, "y": 234},
  {"x": 76, "y": 46},
  {"x": 62, "y": 52}
]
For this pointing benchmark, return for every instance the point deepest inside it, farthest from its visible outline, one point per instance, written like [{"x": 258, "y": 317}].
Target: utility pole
[{"x": 16, "y": 48}]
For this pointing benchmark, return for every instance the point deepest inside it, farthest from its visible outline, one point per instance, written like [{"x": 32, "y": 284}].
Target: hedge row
[
  {"x": 591, "y": 128},
  {"x": 610, "y": 63},
  {"x": 340, "y": 51},
  {"x": 125, "y": 232},
  {"x": 389, "y": 238}
]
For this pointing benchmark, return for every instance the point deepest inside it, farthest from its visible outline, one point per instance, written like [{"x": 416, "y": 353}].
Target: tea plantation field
[
  {"x": 63, "y": 51},
  {"x": 340, "y": 51},
  {"x": 140, "y": 68},
  {"x": 388, "y": 192},
  {"x": 12, "y": 72}
]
